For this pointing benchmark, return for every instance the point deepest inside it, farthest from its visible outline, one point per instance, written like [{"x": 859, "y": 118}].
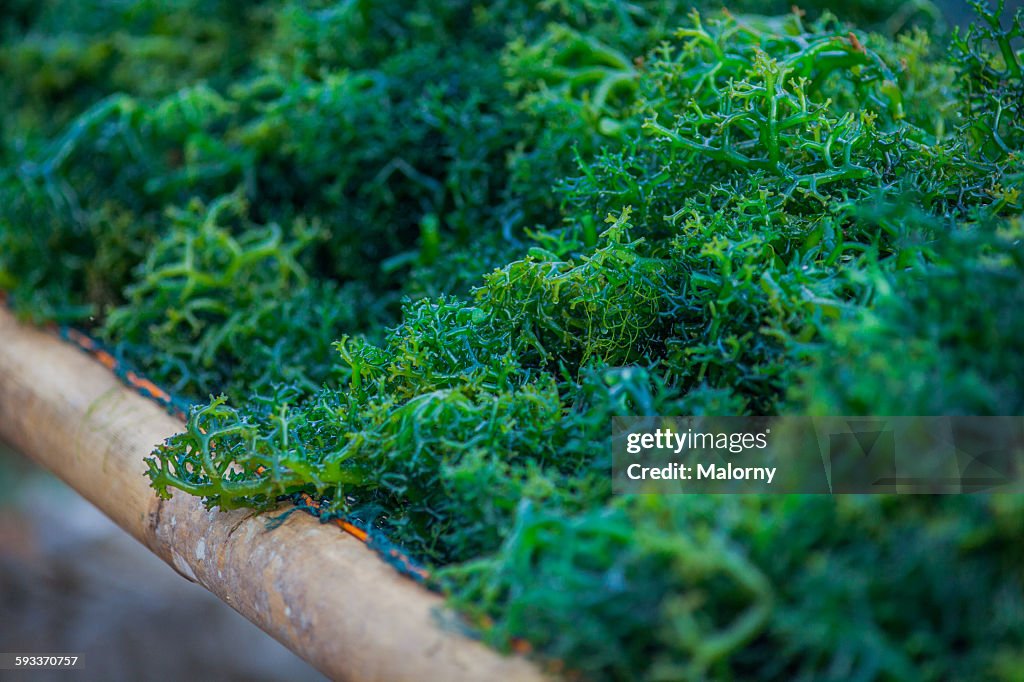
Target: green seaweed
[{"x": 411, "y": 258}]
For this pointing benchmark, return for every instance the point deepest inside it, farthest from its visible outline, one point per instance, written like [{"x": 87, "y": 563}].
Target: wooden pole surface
[{"x": 320, "y": 592}]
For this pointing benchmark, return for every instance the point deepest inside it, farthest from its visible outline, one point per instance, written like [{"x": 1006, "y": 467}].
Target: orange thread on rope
[
  {"x": 521, "y": 646},
  {"x": 143, "y": 384},
  {"x": 349, "y": 528},
  {"x": 352, "y": 530},
  {"x": 408, "y": 565}
]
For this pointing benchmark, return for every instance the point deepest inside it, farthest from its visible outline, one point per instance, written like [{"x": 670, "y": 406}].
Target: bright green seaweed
[{"x": 423, "y": 252}]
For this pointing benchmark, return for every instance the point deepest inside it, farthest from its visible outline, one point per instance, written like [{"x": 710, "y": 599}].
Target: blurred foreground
[{"x": 72, "y": 582}]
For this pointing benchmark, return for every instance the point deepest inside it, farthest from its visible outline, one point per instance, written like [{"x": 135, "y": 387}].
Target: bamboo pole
[{"x": 320, "y": 592}]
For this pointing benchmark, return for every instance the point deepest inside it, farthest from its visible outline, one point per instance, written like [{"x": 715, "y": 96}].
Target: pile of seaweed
[{"x": 410, "y": 258}]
